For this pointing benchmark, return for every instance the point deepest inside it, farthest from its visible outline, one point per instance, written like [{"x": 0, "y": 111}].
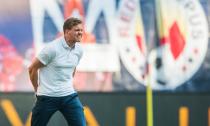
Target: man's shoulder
[
  {"x": 54, "y": 43},
  {"x": 79, "y": 48}
]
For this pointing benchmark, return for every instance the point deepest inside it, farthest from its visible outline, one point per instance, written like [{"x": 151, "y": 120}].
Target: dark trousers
[{"x": 70, "y": 106}]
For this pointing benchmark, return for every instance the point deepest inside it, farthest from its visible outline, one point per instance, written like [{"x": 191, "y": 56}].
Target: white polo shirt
[{"x": 55, "y": 78}]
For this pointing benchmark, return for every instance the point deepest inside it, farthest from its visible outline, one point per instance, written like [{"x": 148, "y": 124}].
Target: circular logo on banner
[{"x": 183, "y": 33}]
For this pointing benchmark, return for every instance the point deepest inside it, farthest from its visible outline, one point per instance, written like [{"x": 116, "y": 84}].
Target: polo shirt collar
[{"x": 65, "y": 45}]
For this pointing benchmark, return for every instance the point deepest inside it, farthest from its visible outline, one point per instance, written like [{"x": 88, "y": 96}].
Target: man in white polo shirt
[{"x": 53, "y": 86}]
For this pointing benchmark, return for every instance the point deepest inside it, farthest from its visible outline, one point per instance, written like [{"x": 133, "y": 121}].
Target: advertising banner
[
  {"x": 116, "y": 109},
  {"x": 120, "y": 36}
]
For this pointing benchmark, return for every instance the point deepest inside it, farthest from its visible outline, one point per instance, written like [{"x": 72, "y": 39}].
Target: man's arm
[
  {"x": 33, "y": 72},
  {"x": 74, "y": 72}
]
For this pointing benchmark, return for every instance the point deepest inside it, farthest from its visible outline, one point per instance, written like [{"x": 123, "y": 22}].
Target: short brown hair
[{"x": 70, "y": 22}]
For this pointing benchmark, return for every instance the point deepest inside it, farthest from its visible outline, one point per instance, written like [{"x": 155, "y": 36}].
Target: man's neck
[{"x": 69, "y": 43}]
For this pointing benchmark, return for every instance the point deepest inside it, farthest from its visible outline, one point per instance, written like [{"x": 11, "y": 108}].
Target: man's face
[{"x": 75, "y": 33}]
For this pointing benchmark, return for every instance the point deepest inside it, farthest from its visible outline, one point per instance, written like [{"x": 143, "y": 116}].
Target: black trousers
[{"x": 70, "y": 106}]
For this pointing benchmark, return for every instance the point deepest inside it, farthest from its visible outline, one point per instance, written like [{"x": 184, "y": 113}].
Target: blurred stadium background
[{"x": 120, "y": 37}]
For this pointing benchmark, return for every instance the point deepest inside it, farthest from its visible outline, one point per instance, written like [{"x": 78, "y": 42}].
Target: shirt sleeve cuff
[{"x": 41, "y": 60}]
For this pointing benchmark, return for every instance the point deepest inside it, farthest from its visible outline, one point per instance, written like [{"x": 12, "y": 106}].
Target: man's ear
[{"x": 68, "y": 31}]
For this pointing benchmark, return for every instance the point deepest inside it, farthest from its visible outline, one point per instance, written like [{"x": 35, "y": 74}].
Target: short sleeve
[{"x": 47, "y": 54}]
